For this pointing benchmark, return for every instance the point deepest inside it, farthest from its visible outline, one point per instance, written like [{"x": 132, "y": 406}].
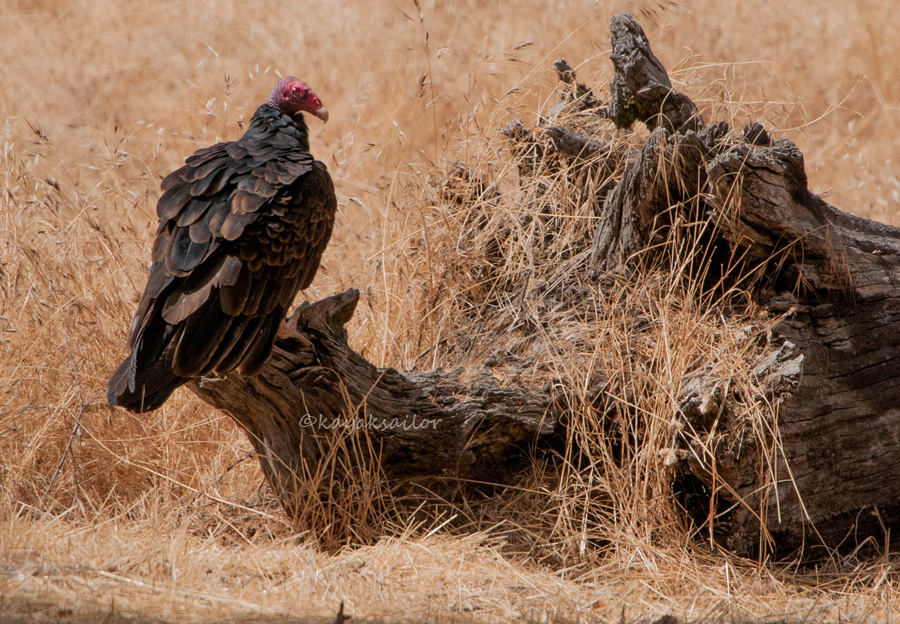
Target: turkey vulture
[{"x": 242, "y": 228}]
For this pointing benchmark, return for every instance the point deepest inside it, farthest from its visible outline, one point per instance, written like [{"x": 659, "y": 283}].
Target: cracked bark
[{"x": 836, "y": 279}]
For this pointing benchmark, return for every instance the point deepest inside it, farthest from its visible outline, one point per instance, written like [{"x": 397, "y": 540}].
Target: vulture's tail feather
[{"x": 145, "y": 390}]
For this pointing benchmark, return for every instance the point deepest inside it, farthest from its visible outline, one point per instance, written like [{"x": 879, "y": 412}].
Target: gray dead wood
[
  {"x": 835, "y": 278},
  {"x": 575, "y": 144},
  {"x": 310, "y": 395},
  {"x": 641, "y": 89}
]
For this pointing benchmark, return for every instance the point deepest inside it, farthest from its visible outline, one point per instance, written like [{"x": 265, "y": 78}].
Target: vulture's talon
[{"x": 285, "y": 332}]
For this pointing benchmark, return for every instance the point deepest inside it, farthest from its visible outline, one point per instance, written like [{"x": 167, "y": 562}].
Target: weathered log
[
  {"x": 315, "y": 390},
  {"x": 666, "y": 172},
  {"x": 832, "y": 275},
  {"x": 839, "y": 278}
]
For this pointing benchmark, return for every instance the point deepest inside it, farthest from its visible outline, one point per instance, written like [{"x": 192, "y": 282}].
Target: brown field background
[{"x": 164, "y": 515}]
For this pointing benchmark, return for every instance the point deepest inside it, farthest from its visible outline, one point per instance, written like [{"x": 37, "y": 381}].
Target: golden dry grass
[{"x": 163, "y": 515}]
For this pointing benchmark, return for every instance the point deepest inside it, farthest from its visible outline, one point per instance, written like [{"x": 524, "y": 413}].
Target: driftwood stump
[{"x": 833, "y": 279}]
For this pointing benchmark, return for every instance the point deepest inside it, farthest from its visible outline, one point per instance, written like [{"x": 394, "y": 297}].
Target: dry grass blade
[{"x": 465, "y": 253}]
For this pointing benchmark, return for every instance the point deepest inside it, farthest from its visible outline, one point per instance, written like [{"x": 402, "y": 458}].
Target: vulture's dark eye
[{"x": 295, "y": 90}]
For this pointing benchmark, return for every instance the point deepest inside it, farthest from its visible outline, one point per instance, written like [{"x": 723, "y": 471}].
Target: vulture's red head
[{"x": 292, "y": 95}]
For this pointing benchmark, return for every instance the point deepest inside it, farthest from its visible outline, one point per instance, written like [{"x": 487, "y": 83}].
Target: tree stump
[{"x": 832, "y": 278}]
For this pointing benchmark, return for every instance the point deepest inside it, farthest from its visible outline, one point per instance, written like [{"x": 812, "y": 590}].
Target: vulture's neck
[{"x": 269, "y": 120}]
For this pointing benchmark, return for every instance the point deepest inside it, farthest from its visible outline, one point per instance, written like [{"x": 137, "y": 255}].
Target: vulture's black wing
[{"x": 242, "y": 228}]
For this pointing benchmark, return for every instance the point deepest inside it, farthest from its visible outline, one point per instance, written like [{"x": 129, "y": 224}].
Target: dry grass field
[{"x": 164, "y": 516}]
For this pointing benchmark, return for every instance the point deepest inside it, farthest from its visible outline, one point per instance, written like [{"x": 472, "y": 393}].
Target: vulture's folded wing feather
[{"x": 243, "y": 226}]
